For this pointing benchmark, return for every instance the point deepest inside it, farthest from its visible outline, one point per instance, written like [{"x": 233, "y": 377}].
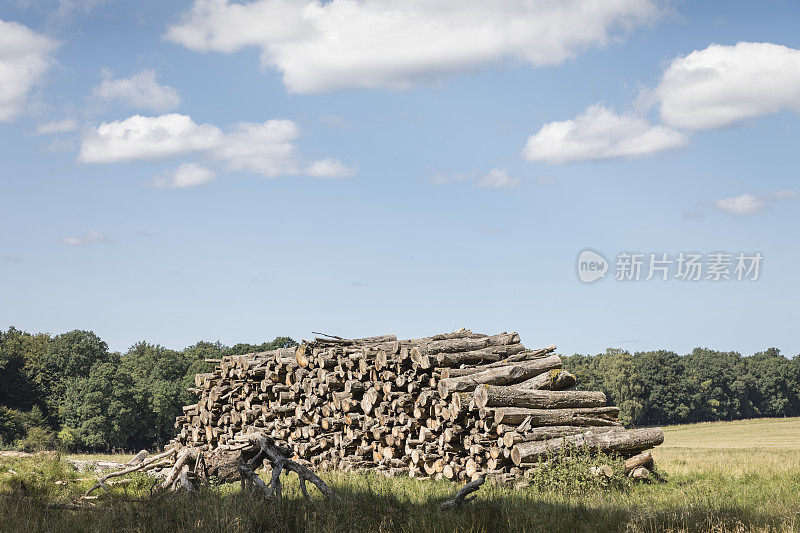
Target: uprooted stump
[
  {"x": 278, "y": 458},
  {"x": 184, "y": 468}
]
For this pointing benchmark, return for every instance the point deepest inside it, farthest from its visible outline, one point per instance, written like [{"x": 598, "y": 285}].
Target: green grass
[{"x": 729, "y": 476}]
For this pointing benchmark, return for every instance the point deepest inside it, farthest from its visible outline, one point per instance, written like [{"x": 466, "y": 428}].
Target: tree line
[
  {"x": 661, "y": 387},
  {"x": 70, "y": 391}
]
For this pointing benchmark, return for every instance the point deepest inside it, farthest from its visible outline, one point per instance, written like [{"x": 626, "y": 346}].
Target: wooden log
[
  {"x": 552, "y": 432},
  {"x": 490, "y": 353},
  {"x": 464, "y": 344},
  {"x": 644, "y": 459},
  {"x": 582, "y": 416},
  {"x": 623, "y": 441},
  {"x": 501, "y": 375},
  {"x": 511, "y": 355},
  {"x": 555, "y": 379},
  {"x": 511, "y": 396}
]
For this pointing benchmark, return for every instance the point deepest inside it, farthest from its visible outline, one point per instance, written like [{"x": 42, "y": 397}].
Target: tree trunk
[
  {"x": 553, "y": 380},
  {"x": 584, "y": 416},
  {"x": 501, "y": 375},
  {"x": 623, "y": 441},
  {"x": 499, "y": 396}
]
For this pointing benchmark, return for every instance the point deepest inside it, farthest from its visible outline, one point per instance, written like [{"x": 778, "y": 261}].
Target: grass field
[{"x": 726, "y": 476}]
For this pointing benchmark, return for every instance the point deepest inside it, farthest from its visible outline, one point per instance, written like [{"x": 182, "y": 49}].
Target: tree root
[{"x": 278, "y": 458}]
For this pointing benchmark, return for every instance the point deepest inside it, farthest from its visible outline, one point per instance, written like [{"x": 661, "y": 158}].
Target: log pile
[{"x": 457, "y": 406}]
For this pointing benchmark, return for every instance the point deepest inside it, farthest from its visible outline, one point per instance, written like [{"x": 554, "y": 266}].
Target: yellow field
[{"x": 732, "y": 449}]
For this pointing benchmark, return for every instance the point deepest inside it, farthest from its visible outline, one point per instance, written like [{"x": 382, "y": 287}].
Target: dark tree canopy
[{"x": 69, "y": 389}]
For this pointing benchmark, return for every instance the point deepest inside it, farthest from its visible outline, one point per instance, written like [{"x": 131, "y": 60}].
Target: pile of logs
[{"x": 458, "y": 406}]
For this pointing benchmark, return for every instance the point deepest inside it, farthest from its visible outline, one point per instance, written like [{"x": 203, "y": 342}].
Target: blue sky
[{"x": 209, "y": 170}]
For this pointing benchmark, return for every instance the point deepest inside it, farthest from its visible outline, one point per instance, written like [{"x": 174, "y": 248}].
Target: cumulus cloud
[
  {"x": 143, "y": 138},
  {"x": 321, "y": 46},
  {"x": 24, "y": 58},
  {"x": 600, "y": 133},
  {"x": 185, "y": 176},
  {"x": 57, "y": 126},
  {"x": 497, "y": 179},
  {"x": 750, "y": 204},
  {"x": 93, "y": 237},
  {"x": 330, "y": 168},
  {"x": 140, "y": 91},
  {"x": 722, "y": 85},
  {"x": 266, "y": 148}
]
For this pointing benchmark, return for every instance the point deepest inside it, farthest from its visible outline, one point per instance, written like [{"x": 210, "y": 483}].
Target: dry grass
[{"x": 731, "y": 476}]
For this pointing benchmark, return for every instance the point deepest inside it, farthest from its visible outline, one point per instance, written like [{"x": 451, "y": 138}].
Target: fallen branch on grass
[
  {"x": 149, "y": 464},
  {"x": 461, "y": 496}
]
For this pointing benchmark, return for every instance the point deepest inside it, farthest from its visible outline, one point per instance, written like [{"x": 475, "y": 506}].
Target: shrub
[
  {"x": 569, "y": 471},
  {"x": 38, "y": 439},
  {"x": 68, "y": 439},
  {"x": 12, "y": 425}
]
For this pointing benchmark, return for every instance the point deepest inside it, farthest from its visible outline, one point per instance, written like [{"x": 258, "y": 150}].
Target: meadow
[{"x": 719, "y": 476}]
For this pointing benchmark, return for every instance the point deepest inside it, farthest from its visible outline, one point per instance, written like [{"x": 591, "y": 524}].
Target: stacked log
[{"x": 456, "y": 406}]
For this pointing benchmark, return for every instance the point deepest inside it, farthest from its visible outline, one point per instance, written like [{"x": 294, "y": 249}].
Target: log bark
[
  {"x": 464, "y": 344},
  {"x": 643, "y": 459},
  {"x": 492, "y": 353},
  {"x": 583, "y": 416},
  {"x": 553, "y": 380},
  {"x": 623, "y": 441},
  {"x": 511, "y": 396},
  {"x": 501, "y": 375},
  {"x": 514, "y": 356}
]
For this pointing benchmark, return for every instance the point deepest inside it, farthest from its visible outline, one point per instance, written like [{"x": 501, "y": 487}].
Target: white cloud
[
  {"x": 746, "y": 204},
  {"x": 750, "y": 204},
  {"x": 24, "y": 58},
  {"x": 57, "y": 126},
  {"x": 185, "y": 176},
  {"x": 266, "y": 148},
  {"x": 321, "y": 46},
  {"x": 138, "y": 137},
  {"x": 497, "y": 179},
  {"x": 722, "y": 85},
  {"x": 330, "y": 168},
  {"x": 94, "y": 236},
  {"x": 600, "y": 133},
  {"x": 140, "y": 91}
]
